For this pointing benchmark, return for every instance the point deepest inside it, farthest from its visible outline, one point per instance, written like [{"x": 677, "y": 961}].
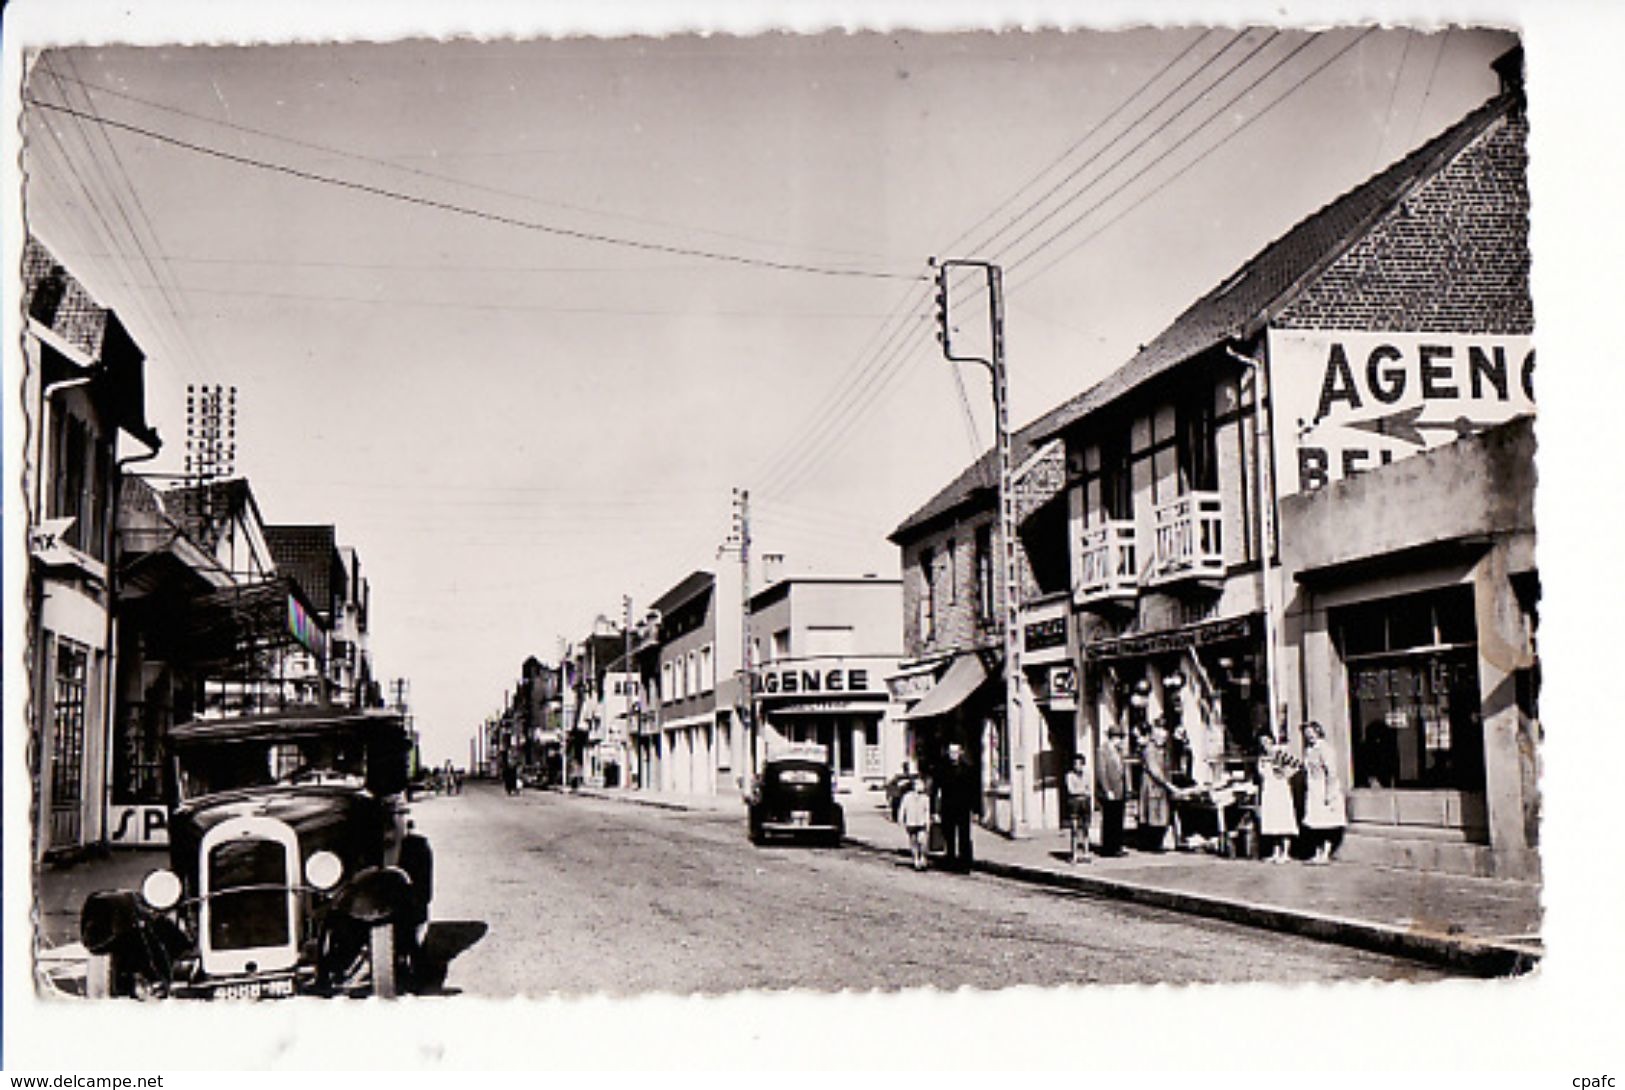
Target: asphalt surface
[{"x": 548, "y": 893}]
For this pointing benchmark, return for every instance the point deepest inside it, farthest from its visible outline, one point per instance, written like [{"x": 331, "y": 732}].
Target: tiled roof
[
  {"x": 1245, "y": 301},
  {"x": 1237, "y": 307},
  {"x": 309, "y": 554},
  {"x": 202, "y": 511}
]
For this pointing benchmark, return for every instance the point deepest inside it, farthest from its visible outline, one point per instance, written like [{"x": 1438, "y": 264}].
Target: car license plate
[
  {"x": 801, "y": 817},
  {"x": 256, "y": 989}
]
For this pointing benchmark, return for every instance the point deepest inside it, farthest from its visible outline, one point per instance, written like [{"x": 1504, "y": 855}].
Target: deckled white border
[{"x": 1563, "y": 1021}]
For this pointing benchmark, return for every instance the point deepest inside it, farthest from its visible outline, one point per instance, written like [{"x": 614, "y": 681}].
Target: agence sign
[
  {"x": 1347, "y": 402},
  {"x": 797, "y": 681}
]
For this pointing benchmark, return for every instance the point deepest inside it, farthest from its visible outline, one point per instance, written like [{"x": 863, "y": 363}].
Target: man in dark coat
[
  {"x": 959, "y": 795},
  {"x": 1111, "y": 787}
]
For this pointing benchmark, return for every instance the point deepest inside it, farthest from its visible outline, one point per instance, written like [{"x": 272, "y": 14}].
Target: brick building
[
  {"x": 948, "y": 682},
  {"x": 1393, "y": 320}
]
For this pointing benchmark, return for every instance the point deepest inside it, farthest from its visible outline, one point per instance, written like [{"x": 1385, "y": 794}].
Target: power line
[
  {"x": 1166, "y": 182},
  {"x": 100, "y": 215},
  {"x": 141, "y": 214},
  {"x": 388, "y": 164},
  {"x": 1158, "y": 160},
  {"x": 453, "y": 304},
  {"x": 845, "y": 386},
  {"x": 1153, "y": 134},
  {"x": 830, "y": 411},
  {"x": 1080, "y": 142},
  {"x": 1393, "y": 97},
  {"x": 835, "y": 422},
  {"x": 1427, "y": 92},
  {"x": 475, "y": 213},
  {"x": 862, "y": 396}
]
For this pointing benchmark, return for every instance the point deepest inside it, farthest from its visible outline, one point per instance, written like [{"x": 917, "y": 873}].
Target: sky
[{"x": 517, "y": 316}]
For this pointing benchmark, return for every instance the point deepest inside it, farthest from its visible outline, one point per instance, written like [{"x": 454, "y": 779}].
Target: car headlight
[
  {"x": 323, "y": 870},
  {"x": 161, "y": 889}
]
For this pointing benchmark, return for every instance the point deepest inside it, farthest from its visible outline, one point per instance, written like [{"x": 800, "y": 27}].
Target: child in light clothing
[{"x": 915, "y": 816}]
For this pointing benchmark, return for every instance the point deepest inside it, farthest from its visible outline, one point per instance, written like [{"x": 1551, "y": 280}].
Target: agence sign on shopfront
[{"x": 1347, "y": 402}]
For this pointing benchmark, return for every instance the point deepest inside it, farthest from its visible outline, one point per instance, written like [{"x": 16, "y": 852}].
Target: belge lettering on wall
[{"x": 1347, "y": 402}]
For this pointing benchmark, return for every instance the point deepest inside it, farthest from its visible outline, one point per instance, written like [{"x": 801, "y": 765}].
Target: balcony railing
[
  {"x": 1190, "y": 538},
  {"x": 1109, "y": 565}
]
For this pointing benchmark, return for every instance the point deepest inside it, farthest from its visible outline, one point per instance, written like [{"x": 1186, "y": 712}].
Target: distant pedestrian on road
[
  {"x": 510, "y": 776},
  {"x": 914, "y": 812},
  {"x": 1080, "y": 793},
  {"x": 959, "y": 795},
  {"x": 1277, "y": 817},
  {"x": 1111, "y": 776},
  {"x": 1324, "y": 810}
]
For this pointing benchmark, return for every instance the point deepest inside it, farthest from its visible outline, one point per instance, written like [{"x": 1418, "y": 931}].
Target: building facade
[
  {"x": 84, "y": 385},
  {"x": 1308, "y": 498},
  {"x": 823, "y": 647}
]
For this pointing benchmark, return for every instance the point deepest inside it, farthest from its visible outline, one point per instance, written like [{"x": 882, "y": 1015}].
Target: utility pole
[
  {"x": 747, "y": 667},
  {"x": 1012, "y": 742},
  {"x": 626, "y": 683}
]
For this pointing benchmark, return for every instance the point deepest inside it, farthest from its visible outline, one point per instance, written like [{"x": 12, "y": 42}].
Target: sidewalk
[{"x": 1481, "y": 926}]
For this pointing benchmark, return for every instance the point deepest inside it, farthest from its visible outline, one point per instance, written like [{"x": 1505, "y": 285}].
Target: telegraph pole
[
  {"x": 1012, "y": 743},
  {"x": 626, "y": 684},
  {"x": 747, "y": 667}
]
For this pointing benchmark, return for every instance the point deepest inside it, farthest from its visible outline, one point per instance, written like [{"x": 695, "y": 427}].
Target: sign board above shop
[
  {"x": 816, "y": 679},
  {"x": 1347, "y": 402}
]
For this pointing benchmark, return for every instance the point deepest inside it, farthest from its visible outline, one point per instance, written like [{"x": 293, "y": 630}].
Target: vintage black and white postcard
[{"x": 807, "y": 513}]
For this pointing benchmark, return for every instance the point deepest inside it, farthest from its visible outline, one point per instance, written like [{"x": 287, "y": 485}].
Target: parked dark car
[
  {"x": 293, "y": 868},
  {"x": 795, "y": 796}
]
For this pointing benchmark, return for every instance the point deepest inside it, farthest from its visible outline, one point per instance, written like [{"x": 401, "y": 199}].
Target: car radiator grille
[{"x": 249, "y": 886}]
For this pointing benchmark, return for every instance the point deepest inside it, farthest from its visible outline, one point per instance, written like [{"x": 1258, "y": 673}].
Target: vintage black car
[
  {"x": 795, "y": 796},
  {"x": 293, "y": 867}
]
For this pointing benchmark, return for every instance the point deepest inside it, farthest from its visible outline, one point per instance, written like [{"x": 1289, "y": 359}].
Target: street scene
[{"x": 846, "y": 512}]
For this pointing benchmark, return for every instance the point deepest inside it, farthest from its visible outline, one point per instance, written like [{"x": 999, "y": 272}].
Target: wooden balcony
[
  {"x": 1108, "y": 568},
  {"x": 1189, "y": 541}
]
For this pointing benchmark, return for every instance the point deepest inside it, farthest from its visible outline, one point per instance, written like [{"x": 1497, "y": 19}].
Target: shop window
[
  {"x": 1414, "y": 691},
  {"x": 68, "y": 726}
]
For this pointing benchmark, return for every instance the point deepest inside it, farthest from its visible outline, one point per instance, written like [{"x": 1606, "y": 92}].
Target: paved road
[{"x": 548, "y": 893}]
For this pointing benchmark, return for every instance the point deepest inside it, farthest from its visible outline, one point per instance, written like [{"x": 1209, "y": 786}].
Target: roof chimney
[
  {"x": 1509, "y": 66},
  {"x": 772, "y": 567}
]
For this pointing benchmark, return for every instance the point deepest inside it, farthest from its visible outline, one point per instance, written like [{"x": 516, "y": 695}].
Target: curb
[{"x": 1485, "y": 959}]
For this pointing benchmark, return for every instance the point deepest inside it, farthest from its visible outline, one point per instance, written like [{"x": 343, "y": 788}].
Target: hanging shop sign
[
  {"x": 1063, "y": 688},
  {"x": 303, "y": 627},
  {"x": 1042, "y": 635},
  {"x": 1347, "y": 402}
]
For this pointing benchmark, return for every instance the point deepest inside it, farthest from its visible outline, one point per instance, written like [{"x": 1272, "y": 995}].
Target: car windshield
[{"x": 216, "y": 766}]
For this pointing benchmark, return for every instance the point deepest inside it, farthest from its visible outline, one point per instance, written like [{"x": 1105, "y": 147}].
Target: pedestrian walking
[
  {"x": 510, "y": 776},
  {"x": 1324, "y": 810},
  {"x": 914, "y": 812},
  {"x": 1080, "y": 791},
  {"x": 959, "y": 795},
  {"x": 1277, "y": 816},
  {"x": 1156, "y": 789},
  {"x": 1111, "y": 776}
]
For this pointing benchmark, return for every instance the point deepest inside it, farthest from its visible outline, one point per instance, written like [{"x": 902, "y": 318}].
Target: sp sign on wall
[{"x": 1347, "y": 402}]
